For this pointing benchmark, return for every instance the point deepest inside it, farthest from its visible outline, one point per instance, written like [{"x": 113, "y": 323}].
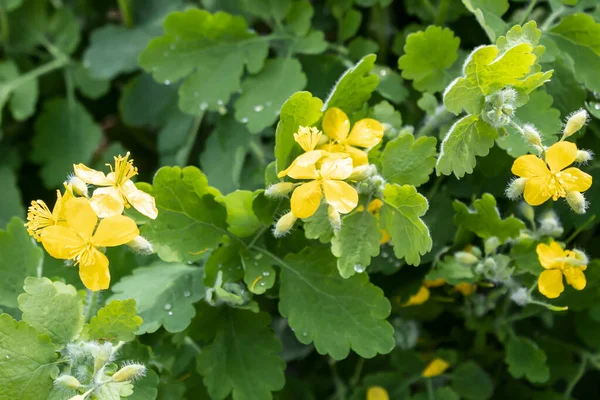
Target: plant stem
[
  {"x": 92, "y": 298},
  {"x": 183, "y": 154},
  {"x": 442, "y": 11},
  {"x": 357, "y": 371},
  {"x": 551, "y": 18},
  {"x": 580, "y": 229},
  {"x": 125, "y": 7},
  {"x": 528, "y": 11},
  {"x": 190, "y": 342},
  {"x": 35, "y": 73},
  {"x": 440, "y": 117},
  {"x": 430, "y": 394},
  {"x": 573, "y": 382}
]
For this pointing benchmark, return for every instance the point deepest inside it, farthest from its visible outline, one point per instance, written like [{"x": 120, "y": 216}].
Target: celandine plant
[{"x": 361, "y": 199}]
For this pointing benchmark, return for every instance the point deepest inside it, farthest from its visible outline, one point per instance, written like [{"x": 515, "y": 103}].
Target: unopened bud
[
  {"x": 520, "y": 296},
  {"x": 334, "y": 218},
  {"x": 581, "y": 256},
  {"x": 575, "y": 122},
  {"x": 102, "y": 355},
  {"x": 77, "y": 185},
  {"x": 465, "y": 258},
  {"x": 141, "y": 245},
  {"x": 532, "y": 135},
  {"x": 363, "y": 172},
  {"x": 584, "y": 156},
  {"x": 280, "y": 189},
  {"x": 284, "y": 225},
  {"x": 577, "y": 202},
  {"x": 515, "y": 188},
  {"x": 129, "y": 372},
  {"x": 67, "y": 382},
  {"x": 476, "y": 251},
  {"x": 550, "y": 224},
  {"x": 538, "y": 149},
  {"x": 491, "y": 244},
  {"x": 527, "y": 211}
]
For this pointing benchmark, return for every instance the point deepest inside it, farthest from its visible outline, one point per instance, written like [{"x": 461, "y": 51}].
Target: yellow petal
[
  {"x": 374, "y": 206},
  {"x": 550, "y": 283},
  {"x": 140, "y": 200},
  {"x": 95, "y": 274},
  {"x": 81, "y": 217},
  {"x": 529, "y": 166},
  {"x": 340, "y": 195},
  {"x": 61, "y": 242},
  {"x": 304, "y": 166},
  {"x": 336, "y": 168},
  {"x": 419, "y": 298},
  {"x": 575, "y": 277},
  {"x": 560, "y": 155},
  {"x": 466, "y": 289},
  {"x": 536, "y": 191},
  {"x": 306, "y": 199},
  {"x": 435, "y": 368},
  {"x": 115, "y": 231},
  {"x": 385, "y": 237},
  {"x": 366, "y": 133},
  {"x": 359, "y": 157},
  {"x": 336, "y": 124},
  {"x": 107, "y": 202},
  {"x": 575, "y": 180},
  {"x": 91, "y": 176},
  {"x": 377, "y": 393},
  {"x": 548, "y": 254},
  {"x": 435, "y": 283}
]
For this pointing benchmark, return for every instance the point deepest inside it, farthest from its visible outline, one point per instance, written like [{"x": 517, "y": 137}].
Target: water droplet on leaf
[
  {"x": 168, "y": 306},
  {"x": 259, "y": 108},
  {"x": 167, "y": 82},
  {"x": 244, "y": 120},
  {"x": 170, "y": 313},
  {"x": 359, "y": 268},
  {"x": 266, "y": 273},
  {"x": 186, "y": 294}
]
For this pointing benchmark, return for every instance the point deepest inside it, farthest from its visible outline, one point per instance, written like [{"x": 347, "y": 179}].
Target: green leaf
[
  {"x": 428, "y": 103},
  {"x": 21, "y": 95},
  {"x": 489, "y": 15},
  {"x": 146, "y": 388},
  {"x": 471, "y": 382},
  {"x": 89, "y": 86},
  {"x": 400, "y": 217},
  {"x": 578, "y": 35},
  {"x": 453, "y": 272},
  {"x": 21, "y": 258},
  {"x": 65, "y": 134},
  {"x": 484, "y": 219},
  {"x": 28, "y": 361},
  {"x": 243, "y": 359},
  {"x": 467, "y": 138},
  {"x": 259, "y": 273},
  {"x": 317, "y": 226},
  {"x": 409, "y": 161},
  {"x": 526, "y": 359},
  {"x": 356, "y": 242},
  {"x": 65, "y": 30},
  {"x": 349, "y": 24},
  {"x": 164, "y": 294},
  {"x": 117, "y": 321},
  {"x": 360, "y": 47},
  {"x": 391, "y": 85},
  {"x": 240, "y": 217},
  {"x": 354, "y": 87},
  {"x": 315, "y": 299},
  {"x": 209, "y": 52},
  {"x": 11, "y": 204},
  {"x": 189, "y": 220},
  {"x": 391, "y": 119},
  {"x": 442, "y": 393},
  {"x": 302, "y": 109},
  {"x": 52, "y": 308},
  {"x": 299, "y": 16},
  {"x": 428, "y": 54},
  {"x": 269, "y": 9},
  {"x": 264, "y": 93}
]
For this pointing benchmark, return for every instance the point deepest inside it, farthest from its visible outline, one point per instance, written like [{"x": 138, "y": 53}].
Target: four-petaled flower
[
  {"x": 550, "y": 179},
  {"x": 118, "y": 190},
  {"x": 559, "y": 262},
  {"x": 80, "y": 239},
  {"x": 39, "y": 216}
]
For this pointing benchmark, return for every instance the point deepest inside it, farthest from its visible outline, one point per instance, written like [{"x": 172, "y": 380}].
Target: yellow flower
[
  {"x": 365, "y": 133},
  {"x": 377, "y": 393},
  {"x": 550, "y": 179},
  {"x": 466, "y": 289},
  {"x": 39, "y": 216},
  {"x": 80, "y": 238},
  {"x": 421, "y": 297},
  {"x": 436, "y": 367},
  {"x": 559, "y": 262},
  {"x": 118, "y": 190}
]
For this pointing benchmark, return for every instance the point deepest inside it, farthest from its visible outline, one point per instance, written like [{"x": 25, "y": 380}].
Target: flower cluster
[
  {"x": 322, "y": 170},
  {"x": 78, "y": 228},
  {"x": 558, "y": 263}
]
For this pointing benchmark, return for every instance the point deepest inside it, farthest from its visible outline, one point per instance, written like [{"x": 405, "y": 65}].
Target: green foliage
[
  {"x": 526, "y": 359},
  {"x": 407, "y": 161},
  {"x": 355, "y": 87},
  {"x": 117, "y": 321},
  {"x": 471, "y": 382}
]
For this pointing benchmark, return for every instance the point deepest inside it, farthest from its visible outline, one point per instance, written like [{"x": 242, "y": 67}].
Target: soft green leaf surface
[
  {"x": 11, "y": 204},
  {"x": 453, "y": 272},
  {"x": 526, "y": 359},
  {"x": 89, "y": 86},
  {"x": 299, "y": 16},
  {"x": 354, "y": 87},
  {"x": 240, "y": 217},
  {"x": 259, "y": 274},
  {"x": 317, "y": 226},
  {"x": 471, "y": 382},
  {"x": 489, "y": 15},
  {"x": 349, "y": 24},
  {"x": 117, "y": 321},
  {"x": 391, "y": 85},
  {"x": 409, "y": 161},
  {"x": 22, "y": 97}
]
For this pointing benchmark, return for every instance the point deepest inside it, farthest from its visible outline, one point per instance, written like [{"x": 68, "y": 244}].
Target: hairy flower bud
[
  {"x": 280, "y": 189},
  {"x": 491, "y": 244},
  {"x": 284, "y": 225},
  {"x": 550, "y": 225},
  {"x": 515, "y": 188},
  {"x": 584, "y": 156},
  {"x": 67, "y": 382},
  {"x": 78, "y": 186},
  {"x": 532, "y": 135},
  {"x": 465, "y": 258},
  {"x": 527, "y": 211},
  {"x": 102, "y": 354},
  {"x": 577, "y": 202},
  {"x": 520, "y": 296},
  {"x": 129, "y": 372},
  {"x": 575, "y": 122},
  {"x": 334, "y": 218},
  {"x": 141, "y": 245},
  {"x": 363, "y": 172},
  {"x": 581, "y": 256}
]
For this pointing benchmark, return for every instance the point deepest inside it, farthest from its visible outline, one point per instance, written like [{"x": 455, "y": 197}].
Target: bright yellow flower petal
[
  {"x": 340, "y": 195},
  {"x": 61, "y": 242},
  {"x": 115, "y": 231},
  {"x": 575, "y": 180},
  {"x": 377, "y": 393},
  {"x": 548, "y": 254},
  {"x": 419, "y": 298},
  {"x": 304, "y": 166},
  {"x": 529, "y": 166},
  {"x": 95, "y": 274},
  {"x": 536, "y": 191},
  {"x": 466, "y": 289},
  {"x": 306, "y": 199},
  {"x": 374, "y": 206},
  {"x": 336, "y": 124},
  {"x": 307, "y": 137},
  {"x": 366, "y": 133},
  {"x": 436, "y": 367},
  {"x": 81, "y": 217},
  {"x": 575, "y": 277},
  {"x": 107, "y": 202},
  {"x": 91, "y": 176},
  {"x": 336, "y": 168},
  {"x": 560, "y": 155},
  {"x": 140, "y": 200},
  {"x": 359, "y": 157},
  {"x": 435, "y": 283},
  {"x": 385, "y": 237},
  {"x": 550, "y": 283}
]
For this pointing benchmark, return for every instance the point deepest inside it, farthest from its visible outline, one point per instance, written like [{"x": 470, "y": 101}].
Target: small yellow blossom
[
  {"x": 365, "y": 133},
  {"x": 417, "y": 299},
  {"x": 308, "y": 137},
  {"x": 377, "y": 393},
  {"x": 39, "y": 216},
  {"x": 549, "y": 179},
  {"x": 466, "y": 289},
  {"x": 117, "y": 191},
  {"x": 80, "y": 239},
  {"x": 559, "y": 262},
  {"x": 436, "y": 367}
]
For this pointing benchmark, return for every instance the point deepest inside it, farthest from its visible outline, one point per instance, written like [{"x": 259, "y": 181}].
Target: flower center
[
  {"x": 124, "y": 169},
  {"x": 307, "y": 137},
  {"x": 83, "y": 254},
  {"x": 557, "y": 181},
  {"x": 39, "y": 217}
]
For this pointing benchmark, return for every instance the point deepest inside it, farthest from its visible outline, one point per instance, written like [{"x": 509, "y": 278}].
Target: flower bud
[
  {"x": 577, "y": 202},
  {"x": 334, "y": 218},
  {"x": 363, "y": 172},
  {"x": 377, "y": 393},
  {"x": 584, "y": 156},
  {"x": 284, "y": 225},
  {"x": 141, "y": 245},
  {"x": 67, "y": 382},
  {"x": 520, "y": 296},
  {"x": 491, "y": 244},
  {"x": 129, "y": 372},
  {"x": 465, "y": 258},
  {"x": 102, "y": 355},
  {"x": 575, "y": 122},
  {"x": 515, "y": 188},
  {"x": 476, "y": 251},
  {"x": 581, "y": 256},
  {"x": 532, "y": 135},
  {"x": 527, "y": 211},
  {"x": 78, "y": 186},
  {"x": 278, "y": 190}
]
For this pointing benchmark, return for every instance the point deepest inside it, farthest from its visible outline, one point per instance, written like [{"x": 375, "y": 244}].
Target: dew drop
[
  {"x": 359, "y": 268},
  {"x": 258, "y": 256},
  {"x": 244, "y": 120},
  {"x": 259, "y": 108},
  {"x": 266, "y": 273},
  {"x": 190, "y": 262},
  {"x": 168, "y": 306},
  {"x": 186, "y": 294},
  {"x": 304, "y": 333},
  {"x": 167, "y": 82},
  {"x": 262, "y": 284},
  {"x": 383, "y": 72},
  {"x": 203, "y": 106},
  {"x": 170, "y": 313},
  {"x": 7, "y": 356},
  {"x": 220, "y": 102},
  {"x": 597, "y": 106},
  {"x": 384, "y": 255}
]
